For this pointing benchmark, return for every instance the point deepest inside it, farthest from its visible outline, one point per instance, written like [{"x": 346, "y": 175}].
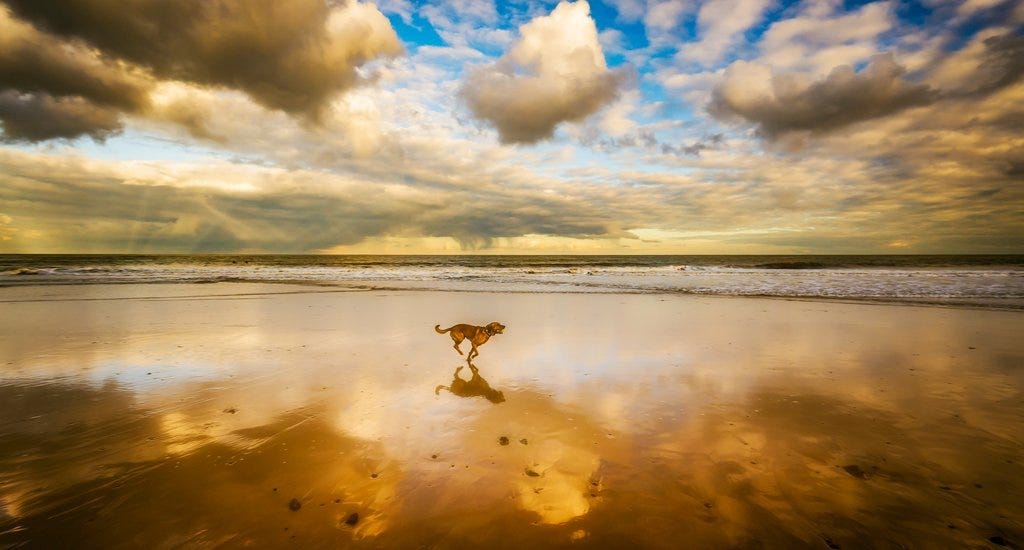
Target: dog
[
  {"x": 474, "y": 387},
  {"x": 477, "y": 336}
]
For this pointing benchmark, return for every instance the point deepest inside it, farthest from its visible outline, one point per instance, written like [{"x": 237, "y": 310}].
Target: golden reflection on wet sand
[{"x": 156, "y": 416}]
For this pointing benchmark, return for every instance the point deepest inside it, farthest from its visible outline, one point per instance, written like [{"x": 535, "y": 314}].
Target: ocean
[{"x": 982, "y": 280}]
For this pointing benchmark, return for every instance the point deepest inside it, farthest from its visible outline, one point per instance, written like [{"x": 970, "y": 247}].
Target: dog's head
[
  {"x": 494, "y": 328},
  {"x": 495, "y": 396}
]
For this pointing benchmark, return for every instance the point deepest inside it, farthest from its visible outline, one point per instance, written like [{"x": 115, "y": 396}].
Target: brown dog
[{"x": 477, "y": 336}]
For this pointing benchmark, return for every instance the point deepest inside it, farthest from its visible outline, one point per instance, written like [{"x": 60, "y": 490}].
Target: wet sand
[{"x": 167, "y": 416}]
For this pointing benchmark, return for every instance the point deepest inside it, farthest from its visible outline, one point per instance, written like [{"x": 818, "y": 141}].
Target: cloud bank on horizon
[{"x": 409, "y": 126}]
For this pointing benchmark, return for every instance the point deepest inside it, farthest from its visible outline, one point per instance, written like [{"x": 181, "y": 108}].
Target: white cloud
[
  {"x": 554, "y": 73},
  {"x": 401, "y": 8},
  {"x": 661, "y": 20},
  {"x": 720, "y": 24},
  {"x": 467, "y": 23},
  {"x": 629, "y": 10},
  {"x": 820, "y": 39},
  {"x": 612, "y": 40}
]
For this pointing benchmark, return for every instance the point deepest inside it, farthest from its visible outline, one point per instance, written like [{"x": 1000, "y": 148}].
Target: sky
[{"x": 512, "y": 126}]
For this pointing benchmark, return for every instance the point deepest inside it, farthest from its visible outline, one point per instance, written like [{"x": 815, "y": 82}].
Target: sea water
[{"x": 987, "y": 280}]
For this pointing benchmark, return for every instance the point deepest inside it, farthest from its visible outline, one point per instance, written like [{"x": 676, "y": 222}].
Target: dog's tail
[
  {"x": 437, "y": 390},
  {"x": 439, "y": 331}
]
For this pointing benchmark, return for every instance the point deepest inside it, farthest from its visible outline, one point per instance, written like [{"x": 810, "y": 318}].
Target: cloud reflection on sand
[{"x": 738, "y": 423}]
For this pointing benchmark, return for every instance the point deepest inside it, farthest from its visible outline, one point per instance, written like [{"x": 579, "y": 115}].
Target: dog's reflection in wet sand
[{"x": 476, "y": 386}]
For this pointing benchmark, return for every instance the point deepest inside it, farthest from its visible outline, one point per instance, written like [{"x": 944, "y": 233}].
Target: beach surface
[{"x": 272, "y": 415}]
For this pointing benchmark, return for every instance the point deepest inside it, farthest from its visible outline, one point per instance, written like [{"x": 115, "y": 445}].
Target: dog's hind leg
[{"x": 457, "y": 342}]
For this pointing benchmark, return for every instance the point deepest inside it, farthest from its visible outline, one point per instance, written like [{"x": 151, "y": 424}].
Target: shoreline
[{"x": 981, "y": 304}]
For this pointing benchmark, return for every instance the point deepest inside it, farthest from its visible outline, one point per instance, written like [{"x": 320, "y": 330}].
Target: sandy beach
[{"x": 230, "y": 414}]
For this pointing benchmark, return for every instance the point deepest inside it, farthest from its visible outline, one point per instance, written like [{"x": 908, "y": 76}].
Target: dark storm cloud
[
  {"x": 1003, "y": 64},
  {"x": 100, "y": 213},
  {"x": 477, "y": 231},
  {"x": 842, "y": 98},
  {"x": 292, "y": 56},
  {"x": 50, "y": 89},
  {"x": 86, "y": 208},
  {"x": 33, "y": 62},
  {"x": 285, "y": 55},
  {"x": 38, "y": 117}
]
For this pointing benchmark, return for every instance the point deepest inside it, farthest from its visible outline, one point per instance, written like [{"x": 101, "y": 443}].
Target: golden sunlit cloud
[
  {"x": 555, "y": 73},
  {"x": 509, "y": 129}
]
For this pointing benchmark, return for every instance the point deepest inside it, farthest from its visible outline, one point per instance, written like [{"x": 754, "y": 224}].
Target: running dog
[{"x": 477, "y": 336}]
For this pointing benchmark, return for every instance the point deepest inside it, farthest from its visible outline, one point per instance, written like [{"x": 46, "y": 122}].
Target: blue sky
[{"x": 618, "y": 126}]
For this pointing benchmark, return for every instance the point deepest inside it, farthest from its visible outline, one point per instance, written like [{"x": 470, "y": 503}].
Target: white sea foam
[{"x": 875, "y": 283}]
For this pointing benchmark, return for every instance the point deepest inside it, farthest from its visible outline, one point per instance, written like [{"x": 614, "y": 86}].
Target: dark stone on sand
[
  {"x": 832, "y": 544},
  {"x": 503, "y": 440},
  {"x": 294, "y": 505},
  {"x": 532, "y": 473},
  {"x": 433, "y": 456},
  {"x": 374, "y": 476},
  {"x": 855, "y": 471},
  {"x": 945, "y": 487},
  {"x": 352, "y": 519},
  {"x": 337, "y": 500},
  {"x": 523, "y": 441},
  {"x": 231, "y": 410},
  {"x": 998, "y": 540}
]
